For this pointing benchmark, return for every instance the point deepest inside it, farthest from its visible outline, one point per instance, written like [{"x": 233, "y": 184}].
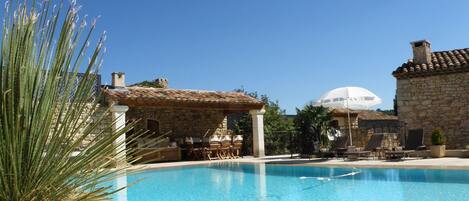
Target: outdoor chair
[
  {"x": 225, "y": 149},
  {"x": 193, "y": 152},
  {"x": 413, "y": 143},
  {"x": 237, "y": 144},
  {"x": 213, "y": 151},
  {"x": 373, "y": 145},
  {"x": 338, "y": 148}
]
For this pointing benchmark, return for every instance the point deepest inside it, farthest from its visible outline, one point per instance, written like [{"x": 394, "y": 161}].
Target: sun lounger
[
  {"x": 397, "y": 153},
  {"x": 373, "y": 145},
  {"x": 413, "y": 143},
  {"x": 338, "y": 148}
]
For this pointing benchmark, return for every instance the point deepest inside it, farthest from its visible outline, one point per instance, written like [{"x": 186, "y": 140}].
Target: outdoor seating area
[
  {"x": 215, "y": 147},
  {"x": 413, "y": 146}
]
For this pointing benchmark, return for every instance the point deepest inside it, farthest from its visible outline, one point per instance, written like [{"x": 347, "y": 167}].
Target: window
[{"x": 153, "y": 126}]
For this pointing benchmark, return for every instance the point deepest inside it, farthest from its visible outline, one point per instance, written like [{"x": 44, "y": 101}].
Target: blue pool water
[{"x": 235, "y": 181}]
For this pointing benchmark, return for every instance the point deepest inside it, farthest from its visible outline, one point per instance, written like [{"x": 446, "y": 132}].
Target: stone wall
[
  {"x": 343, "y": 121},
  {"x": 179, "y": 122},
  {"x": 380, "y": 126},
  {"x": 361, "y": 137},
  {"x": 390, "y": 140},
  {"x": 102, "y": 129},
  {"x": 440, "y": 101}
]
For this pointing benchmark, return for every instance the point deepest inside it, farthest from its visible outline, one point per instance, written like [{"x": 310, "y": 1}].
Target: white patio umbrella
[{"x": 350, "y": 98}]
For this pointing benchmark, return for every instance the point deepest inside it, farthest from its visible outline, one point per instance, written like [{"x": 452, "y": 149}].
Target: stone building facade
[
  {"x": 179, "y": 122},
  {"x": 103, "y": 128},
  {"x": 180, "y": 113},
  {"x": 366, "y": 119},
  {"x": 433, "y": 92},
  {"x": 93, "y": 115},
  {"x": 366, "y": 123}
]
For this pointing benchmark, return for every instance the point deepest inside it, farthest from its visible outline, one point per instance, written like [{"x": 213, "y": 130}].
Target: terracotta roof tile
[
  {"x": 363, "y": 114},
  {"x": 148, "y": 96},
  {"x": 374, "y": 115},
  {"x": 442, "y": 62}
]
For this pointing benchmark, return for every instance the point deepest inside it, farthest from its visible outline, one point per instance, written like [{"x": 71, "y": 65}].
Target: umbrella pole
[{"x": 349, "y": 124}]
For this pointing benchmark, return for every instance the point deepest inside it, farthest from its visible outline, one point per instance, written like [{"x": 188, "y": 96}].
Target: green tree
[
  {"x": 388, "y": 112},
  {"x": 277, "y": 127},
  {"x": 44, "y": 106},
  {"x": 147, "y": 83},
  {"x": 312, "y": 123}
]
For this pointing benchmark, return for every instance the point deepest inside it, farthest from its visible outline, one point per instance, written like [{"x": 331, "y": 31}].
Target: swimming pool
[{"x": 236, "y": 181}]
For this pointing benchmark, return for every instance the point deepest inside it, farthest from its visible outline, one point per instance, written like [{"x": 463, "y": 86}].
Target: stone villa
[
  {"x": 433, "y": 92},
  {"x": 178, "y": 113}
]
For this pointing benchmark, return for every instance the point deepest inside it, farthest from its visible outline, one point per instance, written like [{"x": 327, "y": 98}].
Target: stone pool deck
[{"x": 428, "y": 163}]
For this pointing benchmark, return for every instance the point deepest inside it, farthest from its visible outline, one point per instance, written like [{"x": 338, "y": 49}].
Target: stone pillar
[
  {"x": 258, "y": 132},
  {"x": 118, "y": 117}
]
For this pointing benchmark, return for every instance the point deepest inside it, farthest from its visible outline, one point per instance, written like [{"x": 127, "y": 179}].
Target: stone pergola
[{"x": 202, "y": 110}]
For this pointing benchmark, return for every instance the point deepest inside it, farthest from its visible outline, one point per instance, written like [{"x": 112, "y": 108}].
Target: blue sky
[{"x": 293, "y": 51}]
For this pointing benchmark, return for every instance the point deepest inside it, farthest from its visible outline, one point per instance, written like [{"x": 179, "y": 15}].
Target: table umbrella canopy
[{"x": 349, "y": 97}]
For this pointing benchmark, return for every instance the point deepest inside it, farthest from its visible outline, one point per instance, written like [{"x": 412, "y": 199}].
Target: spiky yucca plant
[{"x": 46, "y": 108}]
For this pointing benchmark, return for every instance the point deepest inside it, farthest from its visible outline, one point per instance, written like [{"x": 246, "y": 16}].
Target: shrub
[
  {"x": 312, "y": 124},
  {"x": 277, "y": 128},
  {"x": 438, "y": 137}
]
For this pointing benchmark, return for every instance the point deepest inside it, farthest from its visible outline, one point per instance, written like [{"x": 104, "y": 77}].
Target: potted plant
[{"x": 438, "y": 147}]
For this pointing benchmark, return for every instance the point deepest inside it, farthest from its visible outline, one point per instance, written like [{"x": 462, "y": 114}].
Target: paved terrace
[{"x": 429, "y": 163}]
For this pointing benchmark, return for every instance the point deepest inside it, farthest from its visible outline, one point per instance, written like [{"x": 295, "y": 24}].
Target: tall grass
[{"x": 47, "y": 111}]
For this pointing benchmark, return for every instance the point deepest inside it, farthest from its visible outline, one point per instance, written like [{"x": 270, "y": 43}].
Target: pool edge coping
[{"x": 292, "y": 163}]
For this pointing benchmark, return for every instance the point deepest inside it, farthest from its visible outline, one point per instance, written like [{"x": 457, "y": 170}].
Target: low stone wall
[
  {"x": 390, "y": 140},
  {"x": 361, "y": 137}
]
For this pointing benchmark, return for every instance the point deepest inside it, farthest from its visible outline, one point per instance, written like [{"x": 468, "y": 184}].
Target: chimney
[
  {"x": 161, "y": 83},
  {"x": 422, "y": 51},
  {"x": 118, "y": 79}
]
